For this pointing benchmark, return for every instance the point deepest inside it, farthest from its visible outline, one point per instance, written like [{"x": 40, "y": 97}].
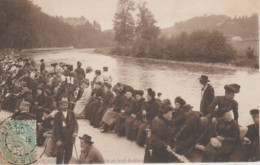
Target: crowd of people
[{"x": 57, "y": 98}]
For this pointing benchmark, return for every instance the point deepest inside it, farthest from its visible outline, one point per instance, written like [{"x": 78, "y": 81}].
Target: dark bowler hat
[
  {"x": 232, "y": 87},
  {"x": 107, "y": 85},
  {"x": 187, "y": 107},
  {"x": 180, "y": 101},
  {"x": 87, "y": 138},
  {"x": 98, "y": 72},
  {"x": 254, "y": 111},
  {"x": 204, "y": 77},
  {"x": 151, "y": 92},
  {"x": 42, "y": 60},
  {"x": 99, "y": 83},
  {"x": 139, "y": 92}
]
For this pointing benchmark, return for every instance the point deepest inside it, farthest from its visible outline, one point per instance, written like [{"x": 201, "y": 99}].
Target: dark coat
[
  {"x": 253, "y": 135},
  {"x": 64, "y": 128},
  {"x": 108, "y": 99},
  {"x": 152, "y": 109},
  {"x": 206, "y": 100},
  {"x": 229, "y": 130},
  {"x": 222, "y": 102},
  {"x": 188, "y": 133},
  {"x": 138, "y": 108},
  {"x": 118, "y": 102},
  {"x": 160, "y": 138},
  {"x": 23, "y": 116},
  {"x": 42, "y": 67},
  {"x": 80, "y": 73},
  {"x": 128, "y": 105}
]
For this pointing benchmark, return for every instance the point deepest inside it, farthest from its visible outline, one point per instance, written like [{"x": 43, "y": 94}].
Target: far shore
[{"x": 238, "y": 63}]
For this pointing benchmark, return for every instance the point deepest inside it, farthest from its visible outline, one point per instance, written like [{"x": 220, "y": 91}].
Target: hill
[{"x": 245, "y": 27}]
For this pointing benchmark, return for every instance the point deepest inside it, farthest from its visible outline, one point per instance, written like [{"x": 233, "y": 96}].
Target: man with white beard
[{"x": 83, "y": 97}]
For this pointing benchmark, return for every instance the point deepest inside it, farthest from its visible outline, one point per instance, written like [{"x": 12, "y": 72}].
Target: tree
[
  {"x": 124, "y": 23},
  {"x": 146, "y": 32}
]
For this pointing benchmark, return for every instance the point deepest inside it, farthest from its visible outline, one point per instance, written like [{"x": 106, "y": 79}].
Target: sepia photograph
[{"x": 129, "y": 81}]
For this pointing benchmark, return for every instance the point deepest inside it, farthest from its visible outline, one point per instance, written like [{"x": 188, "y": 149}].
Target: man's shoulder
[{"x": 210, "y": 87}]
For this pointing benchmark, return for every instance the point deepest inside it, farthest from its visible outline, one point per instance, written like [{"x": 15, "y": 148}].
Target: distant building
[
  {"x": 236, "y": 39},
  {"x": 74, "y": 21}
]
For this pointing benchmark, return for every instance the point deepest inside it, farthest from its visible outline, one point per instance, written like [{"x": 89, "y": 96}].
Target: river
[{"x": 172, "y": 79}]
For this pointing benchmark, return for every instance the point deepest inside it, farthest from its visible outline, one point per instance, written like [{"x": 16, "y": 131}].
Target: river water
[{"x": 172, "y": 79}]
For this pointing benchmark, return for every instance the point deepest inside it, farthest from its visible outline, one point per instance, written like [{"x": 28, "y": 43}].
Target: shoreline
[
  {"x": 203, "y": 64},
  {"x": 30, "y": 52}
]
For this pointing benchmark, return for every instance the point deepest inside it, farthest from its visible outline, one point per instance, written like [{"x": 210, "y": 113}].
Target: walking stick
[{"x": 181, "y": 158}]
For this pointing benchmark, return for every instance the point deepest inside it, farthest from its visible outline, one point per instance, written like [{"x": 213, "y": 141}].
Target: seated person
[
  {"x": 149, "y": 110},
  {"x": 227, "y": 139},
  {"x": 126, "y": 111},
  {"x": 252, "y": 137},
  {"x": 49, "y": 144},
  {"x": 89, "y": 153},
  {"x": 23, "y": 112},
  {"x": 187, "y": 135},
  {"x": 135, "y": 115},
  {"x": 44, "y": 126},
  {"x": 158, "y": 146}
]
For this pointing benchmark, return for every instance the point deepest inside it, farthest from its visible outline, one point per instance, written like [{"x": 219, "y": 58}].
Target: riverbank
[{"x": 239, "y": 62}]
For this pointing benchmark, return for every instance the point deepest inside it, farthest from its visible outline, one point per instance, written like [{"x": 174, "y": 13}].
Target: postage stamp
[{"x": 18, "y": 141}]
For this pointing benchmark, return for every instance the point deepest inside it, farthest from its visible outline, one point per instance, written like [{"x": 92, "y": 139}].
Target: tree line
[
  {"x": 23, "y": 25},
  {"x": 141, "y": 38}
]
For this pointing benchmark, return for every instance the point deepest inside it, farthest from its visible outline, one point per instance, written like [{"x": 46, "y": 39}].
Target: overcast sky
[{"x": 166, "y": 12}]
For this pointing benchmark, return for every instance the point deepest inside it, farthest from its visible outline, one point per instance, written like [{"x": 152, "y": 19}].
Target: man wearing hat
[
  {"x": 42, "y": 67},
  {"x": 207, "y": 95},
  {"x": 65, "y": 132},
  {"x": 158, "y": 146},
  {"x": 226, "y": 101},
  {"x": 252, "y": 137},
  {"x": 188, "y": 122},
  {"x": 89, "y": 153}
]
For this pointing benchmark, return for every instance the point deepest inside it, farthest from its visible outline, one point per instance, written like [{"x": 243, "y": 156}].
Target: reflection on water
[{"x": 172, "y": 79}]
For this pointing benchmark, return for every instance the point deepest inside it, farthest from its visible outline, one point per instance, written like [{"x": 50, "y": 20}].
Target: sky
[{"x": 166, "y": 12}]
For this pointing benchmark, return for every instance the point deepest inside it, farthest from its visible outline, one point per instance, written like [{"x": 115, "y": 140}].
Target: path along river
[{"x": 170, "y": 78}]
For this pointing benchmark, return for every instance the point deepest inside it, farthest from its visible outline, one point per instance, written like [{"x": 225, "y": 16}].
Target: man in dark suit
[
  {"x": 252, "y": 137},
  {"x": 207, "y": 95},
  {"x": 42, "y": 67},
  {"x": 65, "y": 132}
]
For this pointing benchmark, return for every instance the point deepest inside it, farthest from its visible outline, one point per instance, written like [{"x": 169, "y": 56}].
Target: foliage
[
  {"x": 24, "y": 25},
  {"x": 124, "y": 23},
  {"x": 201, "y": 46}
]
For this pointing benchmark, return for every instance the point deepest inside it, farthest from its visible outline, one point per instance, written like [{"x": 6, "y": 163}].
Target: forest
[{"x": 23, "y": 26}]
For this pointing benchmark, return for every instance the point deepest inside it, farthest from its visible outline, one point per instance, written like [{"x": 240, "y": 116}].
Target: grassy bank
[{"x": 240, "y": 61}]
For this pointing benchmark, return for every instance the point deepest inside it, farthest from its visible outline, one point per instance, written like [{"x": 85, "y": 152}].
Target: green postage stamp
[{"x": 18, "y": 141}]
